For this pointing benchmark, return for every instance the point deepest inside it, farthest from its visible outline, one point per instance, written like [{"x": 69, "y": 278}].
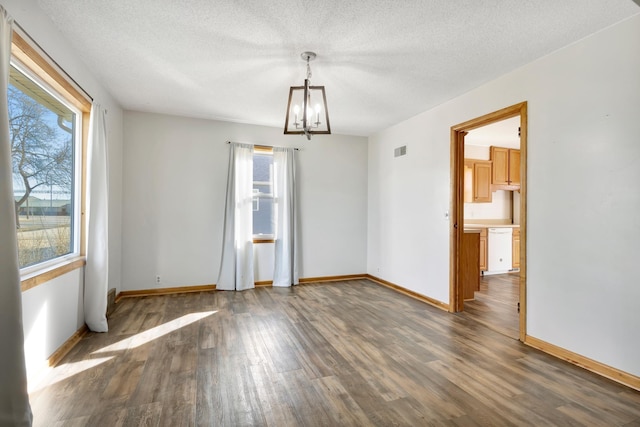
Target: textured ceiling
[{"x": 381, "y": 61}]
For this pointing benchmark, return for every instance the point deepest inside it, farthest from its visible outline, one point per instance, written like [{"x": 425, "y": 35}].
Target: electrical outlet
[{"x": 158, "y": 279}]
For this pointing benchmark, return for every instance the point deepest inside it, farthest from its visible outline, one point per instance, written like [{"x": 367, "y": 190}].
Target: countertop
[{"x": 471, "y": 225}]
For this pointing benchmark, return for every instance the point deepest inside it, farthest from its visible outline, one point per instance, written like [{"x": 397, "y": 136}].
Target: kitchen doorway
[{"x": 457, "y": 263}]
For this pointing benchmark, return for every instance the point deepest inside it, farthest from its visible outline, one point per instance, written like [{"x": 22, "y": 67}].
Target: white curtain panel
[
  {"x": 236, "y": 267},
  {"x": 14, "y": 399},
  {"x": 96, "y": 272},
  {"x": 285, "y": 271}
]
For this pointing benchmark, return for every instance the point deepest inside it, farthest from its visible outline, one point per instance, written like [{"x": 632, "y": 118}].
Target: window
[
  {"x": 263, "y": 219},
  {"x": 48, "y": 121},
  {"x": 44, "y": 131}
]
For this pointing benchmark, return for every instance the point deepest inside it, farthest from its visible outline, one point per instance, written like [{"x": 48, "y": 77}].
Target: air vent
[{"x": 400, "y": 151}]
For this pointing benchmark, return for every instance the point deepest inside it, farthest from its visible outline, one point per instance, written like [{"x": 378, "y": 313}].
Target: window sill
[
  {"x": 264, "y": 239},
  {"x": 36, "y": 278}
]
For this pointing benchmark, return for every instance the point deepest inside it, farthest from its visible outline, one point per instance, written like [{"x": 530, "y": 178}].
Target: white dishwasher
[{"x": 499, "y": 248}]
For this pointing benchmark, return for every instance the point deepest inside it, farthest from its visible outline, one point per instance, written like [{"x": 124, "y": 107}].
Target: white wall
[
  {"x": 583, "y": 238},
  {"x": 499, "y": 208},
  {"x": 477, "y": 152},
  {"x": 175, "y": 172},
  {"x": 59, "y": 298},
  {"x": 52, "y": 312}
]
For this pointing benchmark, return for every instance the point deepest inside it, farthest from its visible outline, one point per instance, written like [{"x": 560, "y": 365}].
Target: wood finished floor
[
  {"x": 496, "y": 304},
  {"x": 339, "y": 354}
]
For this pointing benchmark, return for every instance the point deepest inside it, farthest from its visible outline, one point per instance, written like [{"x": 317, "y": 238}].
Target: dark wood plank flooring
[
  {"x": 343, "y": 354},
  {"x": 496, "y": 304}
]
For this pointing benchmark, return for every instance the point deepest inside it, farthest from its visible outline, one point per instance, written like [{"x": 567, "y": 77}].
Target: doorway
[{"x": 458, "y": 133}]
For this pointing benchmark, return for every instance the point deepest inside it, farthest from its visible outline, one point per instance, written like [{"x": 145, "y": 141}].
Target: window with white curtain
[
  {"x": 48, "y": 120},
  {"x": 263, "y": 202},
  {"x": 261, "y": 193}
]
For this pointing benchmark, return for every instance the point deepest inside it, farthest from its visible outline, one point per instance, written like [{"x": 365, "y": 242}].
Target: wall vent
[{"x": 400, "y": 151}]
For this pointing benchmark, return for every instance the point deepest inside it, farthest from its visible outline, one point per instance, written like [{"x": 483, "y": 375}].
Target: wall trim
[
  {"x": 66, "y": 347},
  {"x": 594, "y": 366},
  {"x": 165, "y": 291},
  {"x": 206, "y": 288},
  {"x": 333, "y": 278},
  {"x": 263, "y": 283},
  {"x": 423, "y": 298}
]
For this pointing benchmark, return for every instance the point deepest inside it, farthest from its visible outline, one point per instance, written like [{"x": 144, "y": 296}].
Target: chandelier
[{"x": 307, "y": 108}]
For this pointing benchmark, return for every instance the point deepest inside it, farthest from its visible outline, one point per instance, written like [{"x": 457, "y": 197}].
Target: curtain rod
[
  {"x": 262, "y": 146},
  {"x": 44, "y": 52}
]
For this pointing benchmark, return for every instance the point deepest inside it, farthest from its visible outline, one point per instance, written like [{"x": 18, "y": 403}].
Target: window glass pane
[
  {"x": 42, "y": 131},
  {"x": 262, "y": 223},
  {"x": 262, "y": 167},
  {"x": 262, "y": 194}
]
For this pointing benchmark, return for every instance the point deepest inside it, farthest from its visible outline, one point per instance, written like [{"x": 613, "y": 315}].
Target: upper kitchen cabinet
[
  {"x": 477, "y": 181},
  {"x": 506, "y": 168}
]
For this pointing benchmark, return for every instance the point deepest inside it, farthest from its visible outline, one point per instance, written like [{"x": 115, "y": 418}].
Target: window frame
[{"x": 31, "y": 57}]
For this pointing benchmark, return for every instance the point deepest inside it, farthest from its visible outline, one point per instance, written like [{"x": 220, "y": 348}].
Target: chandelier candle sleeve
[{"x": 304, "y": 101}]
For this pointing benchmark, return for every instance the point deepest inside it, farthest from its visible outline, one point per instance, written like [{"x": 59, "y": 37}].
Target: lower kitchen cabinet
[
  {"x": 483, "y": 249},
  {"x": 469, "y": 268},
  {"x": 515, "y": 249}
]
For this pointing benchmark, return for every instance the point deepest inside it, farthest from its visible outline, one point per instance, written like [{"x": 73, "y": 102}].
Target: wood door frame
[{"x": 458, "y": 132}]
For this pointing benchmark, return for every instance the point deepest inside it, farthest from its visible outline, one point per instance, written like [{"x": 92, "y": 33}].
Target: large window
[
  {"x": 263, "y": 220},
  {"x": 45, "y": 133}
]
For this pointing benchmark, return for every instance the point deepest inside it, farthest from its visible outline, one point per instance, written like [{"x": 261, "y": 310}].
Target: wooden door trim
[
  {"x": 456, "y": 301},
  {"x": 456, "y": 295}
]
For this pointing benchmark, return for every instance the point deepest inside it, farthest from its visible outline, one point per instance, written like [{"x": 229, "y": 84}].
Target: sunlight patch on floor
[
  {"x": 154, "y": 333},
  {"x": 66, "y": 370}
]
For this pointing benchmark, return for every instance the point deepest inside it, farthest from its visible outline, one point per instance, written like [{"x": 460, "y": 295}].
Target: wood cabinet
[
  {"x": 469, "y": 263},
  {"x": 484, "y": 246},
  {"x": 515, "y": 248},
  {"x": 506, "y": 168},
  {"x": 477, "y": 181},
  {"x": 514, "y": 167}
]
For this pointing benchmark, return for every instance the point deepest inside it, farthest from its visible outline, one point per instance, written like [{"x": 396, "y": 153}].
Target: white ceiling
[{"x": 381, "y": 61}]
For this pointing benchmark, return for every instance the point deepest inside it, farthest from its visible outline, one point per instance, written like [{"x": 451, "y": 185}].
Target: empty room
[{"x": 319, "y": 213}]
